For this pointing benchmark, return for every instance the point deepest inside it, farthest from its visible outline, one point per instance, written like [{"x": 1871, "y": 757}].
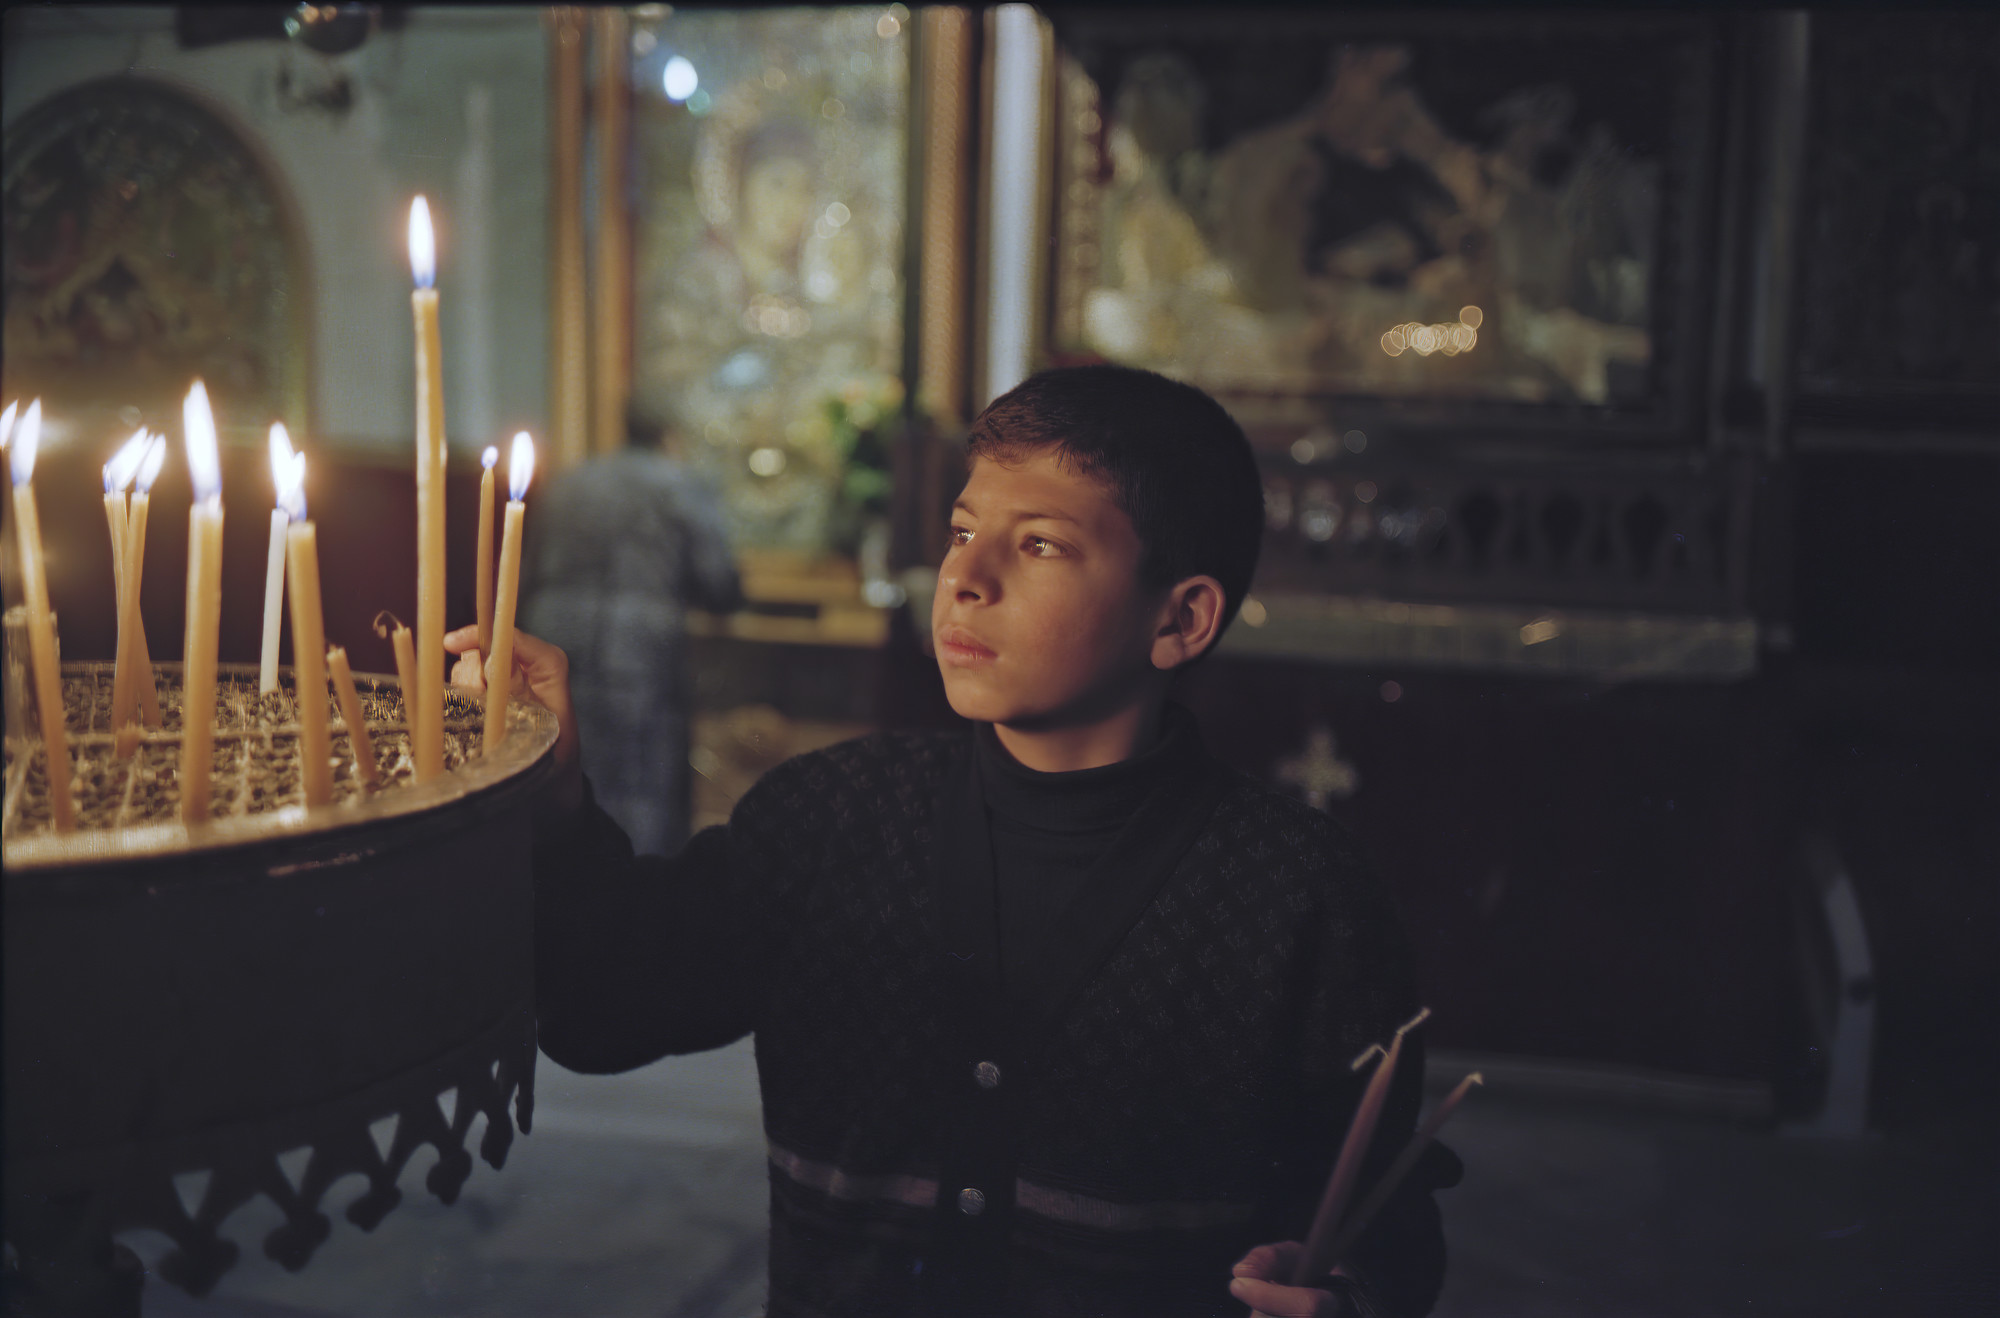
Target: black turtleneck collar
[{"x": 1083, "y": 800}]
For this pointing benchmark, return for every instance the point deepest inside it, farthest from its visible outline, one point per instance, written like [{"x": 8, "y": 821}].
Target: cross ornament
[{"x": 1320, "y": 774}]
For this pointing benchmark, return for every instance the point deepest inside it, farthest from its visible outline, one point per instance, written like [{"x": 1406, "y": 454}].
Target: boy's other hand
[
  {"x": 1258, "y": 1284},
  {"x": 541, "y": 674}
]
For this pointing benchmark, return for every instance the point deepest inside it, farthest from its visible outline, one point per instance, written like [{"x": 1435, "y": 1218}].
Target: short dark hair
[{"x": 1176, "y": 462}]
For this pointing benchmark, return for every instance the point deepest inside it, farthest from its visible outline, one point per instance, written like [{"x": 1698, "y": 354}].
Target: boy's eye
[
  {"x": 961, "y": 535},
  {"x": 1041, "y": 548}
]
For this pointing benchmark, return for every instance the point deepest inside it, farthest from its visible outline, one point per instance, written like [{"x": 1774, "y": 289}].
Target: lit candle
[
  {"x": 427, "y": 714},
  {"x": 204, "y": 605},
  {"x": 135, "y": 568},
  {"x": 308, "y": 637},
  {"x": 484, "y": 578},
  {"x": 389, "y": 625},
  {"x": 1316, "y": 1260},
  {"x": 274, "y": 561},
  {"x": 1351, "y": 1230},
  {"x": 118, "y": 474},
  {"x": 351, "y": 714},
  {"x": 500, "y": 667},
  {"x": 41, "y": 621}
]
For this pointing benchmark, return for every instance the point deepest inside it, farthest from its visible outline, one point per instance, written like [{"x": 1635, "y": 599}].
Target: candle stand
[{"x": 261, "y": 1004}]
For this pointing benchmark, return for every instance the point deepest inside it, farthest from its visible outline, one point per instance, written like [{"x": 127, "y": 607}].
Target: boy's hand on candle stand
[
  {"x": 541, "y": 674},
  {"x": 1257, "y": 1284}
]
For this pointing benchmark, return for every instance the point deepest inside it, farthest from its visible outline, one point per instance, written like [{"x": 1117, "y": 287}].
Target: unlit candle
[{"x": 351, "y": 713}]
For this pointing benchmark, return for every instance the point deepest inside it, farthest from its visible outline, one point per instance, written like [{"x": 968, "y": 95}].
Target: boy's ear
[{"x": 1192, "y": 619}]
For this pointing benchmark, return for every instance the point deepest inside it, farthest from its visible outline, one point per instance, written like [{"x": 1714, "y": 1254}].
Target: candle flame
[
  {"x": 27, "y": 439},
  {"x": 198, "y": 434},
  {"x": 423, "y": 247},
  {"x": 124, "y": 464},
  {"x": 281, "y": 458},
  {"x": 149, "y": 470},
  {"x": 7, "y": 423},
  {"x": 520, "y": 467},
  {"x": 490, "y": 458},
  {"x": 292, "y": 487}
]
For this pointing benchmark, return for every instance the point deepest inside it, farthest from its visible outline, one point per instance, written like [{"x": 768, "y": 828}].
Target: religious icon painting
[
  {"x": 769, "y": 249},
  {"x": 1496, "y": 216},
  {"x": 146, "y": 245},
  {"x": 1900, "y": 264}
]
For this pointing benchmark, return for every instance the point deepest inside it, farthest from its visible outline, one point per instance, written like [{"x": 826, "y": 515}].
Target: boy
[{"x": 1055, "y": 1017}]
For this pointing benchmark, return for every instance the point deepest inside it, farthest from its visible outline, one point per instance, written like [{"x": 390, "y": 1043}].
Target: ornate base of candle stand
[{"x": 205, "y": 1000}]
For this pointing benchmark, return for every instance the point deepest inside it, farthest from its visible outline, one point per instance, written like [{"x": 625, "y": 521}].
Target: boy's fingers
[
  {"x": 1268, "y": 1262},
  {"x": 469, "y": 671},
  {"x": 461, "y": 639},
  {"x": 1277, "y": 1301},
  {"x": 537, "y": 655}
]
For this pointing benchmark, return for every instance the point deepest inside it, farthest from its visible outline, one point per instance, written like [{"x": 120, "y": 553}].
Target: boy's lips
[{"x": 961, "y": 646}]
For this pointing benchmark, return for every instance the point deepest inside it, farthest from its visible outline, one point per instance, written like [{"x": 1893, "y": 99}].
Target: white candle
[
  {"x": 500, "y": 668},
  {"x": 274, "y": 561}
]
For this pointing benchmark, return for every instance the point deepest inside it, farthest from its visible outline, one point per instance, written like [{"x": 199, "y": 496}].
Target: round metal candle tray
[{"x": 211, "y": 1000}]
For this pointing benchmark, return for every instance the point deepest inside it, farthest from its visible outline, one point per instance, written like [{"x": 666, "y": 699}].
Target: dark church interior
[{"x": 1624, "y": 387}]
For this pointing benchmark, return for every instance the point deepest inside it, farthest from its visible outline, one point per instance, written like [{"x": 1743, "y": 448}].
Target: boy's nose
[{"x": 970, "y": 577}]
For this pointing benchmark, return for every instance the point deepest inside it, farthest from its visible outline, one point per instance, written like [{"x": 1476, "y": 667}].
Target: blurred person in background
[{"x": 625, "y": 544}]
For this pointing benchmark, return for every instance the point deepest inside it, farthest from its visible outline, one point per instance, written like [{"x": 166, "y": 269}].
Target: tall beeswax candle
[
  {"x": 204, "y": 606},
  {"x": 427, "y": 713},
  {"x": 308, "y": 639},
  {"x": 27, "y": 439},
  {"x": 500, "y": 668}
]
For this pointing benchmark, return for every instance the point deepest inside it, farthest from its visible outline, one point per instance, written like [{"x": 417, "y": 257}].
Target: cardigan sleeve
[{"x": 637, "y": 957}]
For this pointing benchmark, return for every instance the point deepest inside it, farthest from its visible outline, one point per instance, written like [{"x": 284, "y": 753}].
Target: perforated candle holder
[{"x": 262, "y": 1003}]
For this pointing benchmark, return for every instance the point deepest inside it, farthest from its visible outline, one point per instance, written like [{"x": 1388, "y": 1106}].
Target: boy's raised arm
[{"x": 636, "y": 956}]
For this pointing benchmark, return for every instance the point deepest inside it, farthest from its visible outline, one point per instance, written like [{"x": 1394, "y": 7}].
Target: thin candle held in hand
[
  {"x": 308, "y": 638},
  {"x": 500, "y": 666},
  {"x": 483, "y": 580},
  {"x": 204, "y": 606},
  {"x": 1316, "y": 1260},
  {"x": 26, "y": 441},
  {"x": 1350, "y": 1230},
  {"x": 427, "y": 711},
  {"x": 274, "y": 561}
]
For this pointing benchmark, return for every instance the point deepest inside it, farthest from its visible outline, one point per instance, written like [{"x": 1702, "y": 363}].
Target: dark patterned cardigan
[{"x": 1168, "y": 1090}]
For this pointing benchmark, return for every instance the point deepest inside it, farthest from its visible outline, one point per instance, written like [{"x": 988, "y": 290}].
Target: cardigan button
[
  {"x": 987, "y": 1075},
  {"x": 971, "y": 1202}
]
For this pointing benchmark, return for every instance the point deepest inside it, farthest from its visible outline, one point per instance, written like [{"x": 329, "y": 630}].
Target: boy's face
[{"x": 1040, "y": 618}]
